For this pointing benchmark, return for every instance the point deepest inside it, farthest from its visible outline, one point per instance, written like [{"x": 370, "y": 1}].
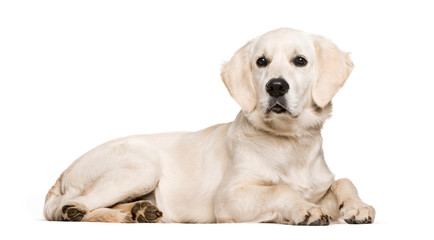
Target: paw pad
[
  {"x": 145, "y": 212},
  {"x": 72, "y": 213}
]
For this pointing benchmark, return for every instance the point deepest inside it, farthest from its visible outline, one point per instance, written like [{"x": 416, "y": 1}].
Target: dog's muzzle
[{"x": 277, "y": 88}]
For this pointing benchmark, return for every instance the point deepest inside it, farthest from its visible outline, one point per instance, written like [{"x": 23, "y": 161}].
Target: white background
[{"x": 74, "y": 74}]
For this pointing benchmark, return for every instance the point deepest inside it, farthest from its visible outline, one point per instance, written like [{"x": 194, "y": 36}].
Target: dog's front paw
[
  {"x": 357, "y": 212},
  {"x": 311, "y": 215}
]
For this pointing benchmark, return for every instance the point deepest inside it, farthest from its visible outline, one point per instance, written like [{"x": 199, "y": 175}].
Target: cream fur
[{"x": 262, "y": 167}]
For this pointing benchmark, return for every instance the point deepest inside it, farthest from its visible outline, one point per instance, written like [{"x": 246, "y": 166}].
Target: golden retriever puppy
[{"x": 265, "y": 166}]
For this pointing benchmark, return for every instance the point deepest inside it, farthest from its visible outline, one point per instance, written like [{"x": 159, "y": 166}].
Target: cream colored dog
[{"x": 266, "y": 166}]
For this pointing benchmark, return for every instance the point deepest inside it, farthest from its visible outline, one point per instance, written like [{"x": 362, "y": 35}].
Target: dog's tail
[{"x": 52, "y": 199}]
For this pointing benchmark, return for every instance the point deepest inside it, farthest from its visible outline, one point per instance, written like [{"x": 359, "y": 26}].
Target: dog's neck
[{"x": 307, "y": 124}]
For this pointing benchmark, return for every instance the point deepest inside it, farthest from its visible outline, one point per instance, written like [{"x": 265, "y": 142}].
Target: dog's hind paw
[
  {"x": 145, "y": 212},
  {"x": 73, "y": 213}
]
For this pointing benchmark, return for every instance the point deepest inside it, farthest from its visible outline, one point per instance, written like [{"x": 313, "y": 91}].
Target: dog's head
[{"x": 284, "y": 73}]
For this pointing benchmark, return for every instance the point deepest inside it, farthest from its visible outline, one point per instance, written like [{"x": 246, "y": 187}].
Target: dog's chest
[
  {"x": 298, "y": 165},
  {"x": 311, "y": 183}
]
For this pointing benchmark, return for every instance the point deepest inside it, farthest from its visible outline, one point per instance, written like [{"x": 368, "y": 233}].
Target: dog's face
[
  {"x": 282, "y": 64},
  {"x": 282, "y": 73}
]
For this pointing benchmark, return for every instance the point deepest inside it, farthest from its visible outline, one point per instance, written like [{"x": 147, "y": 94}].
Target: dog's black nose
[{"x": 277, "y": 87}]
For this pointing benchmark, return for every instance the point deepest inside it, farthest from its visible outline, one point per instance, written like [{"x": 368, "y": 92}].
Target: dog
[{"x": 265, "y": 166}]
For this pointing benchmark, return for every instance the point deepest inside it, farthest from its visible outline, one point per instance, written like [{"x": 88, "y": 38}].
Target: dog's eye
[
  {"x": 262, "y": 62},
  {"x": 299, "y": 61}
]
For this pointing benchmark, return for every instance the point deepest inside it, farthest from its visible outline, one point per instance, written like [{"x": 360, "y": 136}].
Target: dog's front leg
[
  {"x": 266, "y": 203},
  {"x": 343, "y": 201}
]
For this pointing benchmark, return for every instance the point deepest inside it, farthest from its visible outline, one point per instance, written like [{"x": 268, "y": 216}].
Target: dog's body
[{"x": 266, "y": 166}]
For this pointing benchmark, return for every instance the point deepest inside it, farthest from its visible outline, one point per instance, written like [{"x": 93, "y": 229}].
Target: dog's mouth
[
  {"x": 277, "y": 108},
  {"x": 277, "y": 105}
]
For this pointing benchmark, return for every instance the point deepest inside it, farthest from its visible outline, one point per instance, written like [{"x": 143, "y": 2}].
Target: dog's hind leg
[
  {"x": 110, "y": 189},
  {"x": 107, "y": 175},
  {"x": 135, "y": 212},
  {"x": 106, "y": 215}
]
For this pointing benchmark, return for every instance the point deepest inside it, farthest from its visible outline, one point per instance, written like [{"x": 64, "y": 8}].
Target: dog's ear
[
  {"x": 332, "y": 69},
  {"x": 237, "y": 76}
]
